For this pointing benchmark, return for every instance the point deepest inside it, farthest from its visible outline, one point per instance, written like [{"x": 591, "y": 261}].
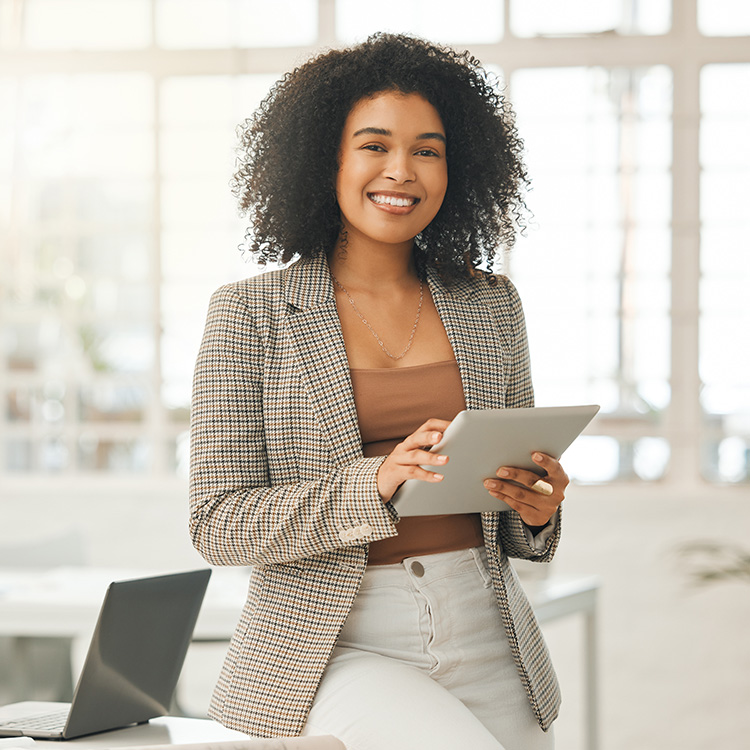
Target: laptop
[{"x": 133, "y": 663}]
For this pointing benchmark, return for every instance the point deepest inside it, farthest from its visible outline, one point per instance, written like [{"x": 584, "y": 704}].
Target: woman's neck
[{"x": 372, "y": 264}]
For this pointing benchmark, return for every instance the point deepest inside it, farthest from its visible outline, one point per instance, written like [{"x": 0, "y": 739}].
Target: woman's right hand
[{"x": 404, "y": 460}]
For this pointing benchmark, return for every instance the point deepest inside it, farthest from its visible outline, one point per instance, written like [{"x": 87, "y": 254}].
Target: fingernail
[
  {"x": 538, "y": 457},
  {"x": 442, "y": 459},
  {"x": 489, "y": 484},
  {"x": 503, "y": 473},
  {"x": 436, "y": 437}
]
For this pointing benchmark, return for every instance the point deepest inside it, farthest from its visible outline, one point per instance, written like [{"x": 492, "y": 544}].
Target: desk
[
  {"x": 166, "y": 730},
  {"x": 561, "y": 598},
  {"x": 64, "y": 603},
  {"x": 169, "y": 730}
]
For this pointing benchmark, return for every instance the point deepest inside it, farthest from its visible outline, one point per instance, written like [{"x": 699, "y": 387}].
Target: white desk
[
  {"x": 166, "y": 730},
  {"x": 64, "y": 603},
  {"x": 169, "y": 730},
  {"x": 561, "y": 598}
]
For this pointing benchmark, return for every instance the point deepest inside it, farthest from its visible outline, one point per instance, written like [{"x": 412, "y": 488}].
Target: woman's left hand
[{"x": 536, "y": 500}]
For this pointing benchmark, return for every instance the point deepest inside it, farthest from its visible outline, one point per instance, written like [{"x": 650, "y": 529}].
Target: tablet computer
[{"x": 478, "y": 442}]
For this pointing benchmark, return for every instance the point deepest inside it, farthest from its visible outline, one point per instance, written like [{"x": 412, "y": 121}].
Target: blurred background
[{"x": 117, "y": 137}]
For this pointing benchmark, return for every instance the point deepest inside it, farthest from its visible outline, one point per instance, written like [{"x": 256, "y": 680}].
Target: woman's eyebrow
[
  {"x": 386, "y": 132},
  {"x": 431, "y": 136}
]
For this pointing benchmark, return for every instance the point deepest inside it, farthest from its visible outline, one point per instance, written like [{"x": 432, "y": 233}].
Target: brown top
[{"x": 391, "y": 404}]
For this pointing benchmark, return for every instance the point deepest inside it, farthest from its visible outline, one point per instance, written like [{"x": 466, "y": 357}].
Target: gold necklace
[{"x": 372, "y": 330}]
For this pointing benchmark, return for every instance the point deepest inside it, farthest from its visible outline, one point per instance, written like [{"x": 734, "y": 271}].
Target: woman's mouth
[{"x": 393, "y": 203}]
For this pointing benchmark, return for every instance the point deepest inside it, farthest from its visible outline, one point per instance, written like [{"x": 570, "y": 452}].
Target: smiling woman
[{"x": 390, "y": 173}]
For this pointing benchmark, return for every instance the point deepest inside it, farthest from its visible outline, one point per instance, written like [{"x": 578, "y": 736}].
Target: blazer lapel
[
  {"x": 315, "y": 333},
  {"x": 471, "y": 329}
]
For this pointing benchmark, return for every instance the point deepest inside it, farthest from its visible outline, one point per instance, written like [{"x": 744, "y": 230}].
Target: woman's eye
[
  {"x": 427, "y": 152},
  {"x": 373, "y": 147}
]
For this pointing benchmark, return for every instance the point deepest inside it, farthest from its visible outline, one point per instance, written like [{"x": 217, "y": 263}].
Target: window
[
  {"x": 577, "y": 17},
  {"x": 200, "y": 230},
  {"x": 116, "y": 151},
  {"x": 724, "y": 17},
  {"x": 78, "y": 304},
  {"x": 594, "y": 269},
  {"x": 438, "y": 20},
  {"x": 724, "y": 363},
  {"x": 192, "y": 24}
]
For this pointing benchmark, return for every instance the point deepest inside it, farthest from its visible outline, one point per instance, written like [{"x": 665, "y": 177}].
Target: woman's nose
[{"x": 399, "y": 168}]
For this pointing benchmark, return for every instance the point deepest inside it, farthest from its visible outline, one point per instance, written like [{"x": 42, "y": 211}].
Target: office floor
[{"x": 674, "y": 658}]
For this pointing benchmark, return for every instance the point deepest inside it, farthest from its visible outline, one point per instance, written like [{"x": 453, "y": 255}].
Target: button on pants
[{"x": 423, "y": 662}]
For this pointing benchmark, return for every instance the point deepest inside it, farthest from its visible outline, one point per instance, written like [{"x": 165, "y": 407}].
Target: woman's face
[{"x": 393, "y": 172}]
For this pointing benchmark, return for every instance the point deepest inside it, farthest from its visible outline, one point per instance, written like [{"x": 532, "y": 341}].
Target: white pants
[{"x": 423, "y": 662}]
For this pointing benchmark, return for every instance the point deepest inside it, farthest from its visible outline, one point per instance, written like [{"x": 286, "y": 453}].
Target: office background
[{"x": 117, "y": 126}]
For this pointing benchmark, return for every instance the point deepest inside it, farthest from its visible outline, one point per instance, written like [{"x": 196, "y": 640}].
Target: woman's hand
[
  {"x": 404, "y": 460},
  {"x": 536, "y": 500}
]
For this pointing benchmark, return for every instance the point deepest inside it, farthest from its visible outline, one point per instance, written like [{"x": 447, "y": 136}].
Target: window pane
[
  {"x": 201, "y": 231},
  {"x": 593, "y": 271},
  {"x": 87, "y": 24},
  {"x": 84, "y": 124},
  {"x": 113, "y": 455},
  {"x": 79, "y": 302},
  {"x": 194, "y": 24},
  {"x": 109, "y": 401},
  {"x": 10, "y": 24},
  {"x": 19, "y": 455},
  {"x": 229, "y": 23},
  {"x": 598, "y": 459},
  {"x": 8, "y": 102},
  {"x": 541, "y": 17},
  {"x": 436, "y": 20},
  {"x": 282, "y": 23},
  {"x": 724, "y": 17},
  {"x": 725, "y": 273},
  {"x": 593, "y": 459}
]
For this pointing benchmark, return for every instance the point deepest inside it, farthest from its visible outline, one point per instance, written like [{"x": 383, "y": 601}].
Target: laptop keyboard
[{"x": 50, "y": 722}]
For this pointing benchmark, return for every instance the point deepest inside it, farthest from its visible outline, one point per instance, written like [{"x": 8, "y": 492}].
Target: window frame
[{"x": 683, "y": 49}]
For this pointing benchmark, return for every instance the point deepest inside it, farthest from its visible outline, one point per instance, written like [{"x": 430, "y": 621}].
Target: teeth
[{"x": 392, "y": 200}]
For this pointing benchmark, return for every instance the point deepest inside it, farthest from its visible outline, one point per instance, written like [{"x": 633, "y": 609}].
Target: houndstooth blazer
[{"x": 278, "y": 481}]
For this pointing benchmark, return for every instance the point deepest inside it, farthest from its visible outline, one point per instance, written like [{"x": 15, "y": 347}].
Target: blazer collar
[{"x": 308, "y": 283}]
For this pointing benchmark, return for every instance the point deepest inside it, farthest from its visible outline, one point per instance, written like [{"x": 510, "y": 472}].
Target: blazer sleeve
[
  {"x": 513, "y": 534},
  {"x": 238, "y": 515}
]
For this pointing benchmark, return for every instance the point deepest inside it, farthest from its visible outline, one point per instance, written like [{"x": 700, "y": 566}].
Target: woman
[{"x": 388, "y": 172}]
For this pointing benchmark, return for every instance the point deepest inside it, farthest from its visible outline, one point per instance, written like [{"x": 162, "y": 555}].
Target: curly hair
[{"x": 288, "y": 154}]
